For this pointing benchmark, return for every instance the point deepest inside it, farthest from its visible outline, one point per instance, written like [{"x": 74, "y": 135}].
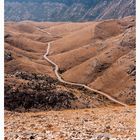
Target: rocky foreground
[{"x": 109, "y": 123}]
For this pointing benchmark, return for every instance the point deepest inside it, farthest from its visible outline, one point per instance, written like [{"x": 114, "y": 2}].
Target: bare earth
[
  {"x": 100, "y": 55},
  {"x": 86, "y": 124}
]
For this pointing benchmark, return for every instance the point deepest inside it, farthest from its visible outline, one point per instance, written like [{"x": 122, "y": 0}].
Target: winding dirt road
[{"x": 77, "y": 84}]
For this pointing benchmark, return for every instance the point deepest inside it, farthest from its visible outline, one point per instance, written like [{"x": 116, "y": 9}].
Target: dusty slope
[
  {"x": 35, "y": 92},
  {"x": 26, "y": 50},
  {"x": 97, "y": 63},
  {"x": 98, "y": 124},
  {"x": 99, "y": 54}
]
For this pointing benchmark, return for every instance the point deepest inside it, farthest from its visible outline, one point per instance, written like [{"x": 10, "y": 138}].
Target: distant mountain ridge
[
  {"x": 67, "y": 10},
  {"x": 67, "y": 2}
]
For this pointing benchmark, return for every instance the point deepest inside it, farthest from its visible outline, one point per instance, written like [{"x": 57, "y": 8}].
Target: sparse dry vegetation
[{"x": 98, "y": 54}]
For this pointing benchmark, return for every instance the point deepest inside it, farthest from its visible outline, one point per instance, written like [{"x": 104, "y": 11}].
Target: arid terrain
[
  {"x": 113, "y": 123},
  {"x": 99, "y": 55}
]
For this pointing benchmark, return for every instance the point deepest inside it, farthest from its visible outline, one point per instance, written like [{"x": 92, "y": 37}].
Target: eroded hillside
[{"x": 98, "y": 54}]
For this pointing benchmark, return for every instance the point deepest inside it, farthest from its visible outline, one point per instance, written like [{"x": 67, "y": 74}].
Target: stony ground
[{"x": 108, "y": 123}]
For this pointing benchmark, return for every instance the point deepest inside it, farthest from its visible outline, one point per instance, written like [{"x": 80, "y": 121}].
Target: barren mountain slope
[
  {"x": 89, "y": 63},
  {"x": 99, "y": 54}
]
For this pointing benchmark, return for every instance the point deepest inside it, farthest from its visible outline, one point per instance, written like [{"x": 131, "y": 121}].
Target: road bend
[{"x": 56, "y": 70}]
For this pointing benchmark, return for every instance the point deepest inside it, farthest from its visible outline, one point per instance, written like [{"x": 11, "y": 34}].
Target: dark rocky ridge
[
  {"x": 39, "y": 91},
  {"x": 34, "y": 92},
  {"x": 67, "y": 10}
]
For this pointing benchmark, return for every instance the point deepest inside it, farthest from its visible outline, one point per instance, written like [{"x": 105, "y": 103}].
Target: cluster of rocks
[
  {"x": 101, "y": 66},
  {"x": 132, "y": 70},
  {"x": 8, "y": 56},
  {"x": 129, "y": 38},
  {"x": 36, "y": 92},
  {"x": 110, "y": 123}
]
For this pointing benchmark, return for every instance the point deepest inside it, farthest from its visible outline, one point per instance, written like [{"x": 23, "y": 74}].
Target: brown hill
[{"x": 99, "y": 54}]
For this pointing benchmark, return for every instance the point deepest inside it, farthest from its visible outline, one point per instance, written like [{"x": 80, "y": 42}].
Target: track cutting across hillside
[{"x": 77, "y": 84}]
